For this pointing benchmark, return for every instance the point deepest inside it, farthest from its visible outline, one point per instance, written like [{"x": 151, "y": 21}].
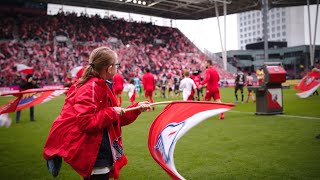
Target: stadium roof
[{"x": 178, "y": 9}]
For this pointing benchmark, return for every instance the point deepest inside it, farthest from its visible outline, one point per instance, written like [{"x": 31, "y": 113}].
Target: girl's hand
[
  {"x": 144, "y": 106},
  {"x": 119, "y": 110}
]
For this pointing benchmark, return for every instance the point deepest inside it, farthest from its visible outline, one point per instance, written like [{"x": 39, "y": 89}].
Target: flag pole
[
  {"x": 168, "y": 102},
  {"x": 151, "y": 104}
]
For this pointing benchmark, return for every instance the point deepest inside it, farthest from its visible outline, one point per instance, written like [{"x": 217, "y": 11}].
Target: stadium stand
[{"x": 53, "y": 45}]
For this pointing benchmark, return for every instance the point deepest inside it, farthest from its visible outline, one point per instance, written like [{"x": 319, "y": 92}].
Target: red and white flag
[
  {"x": 28, "y": 98},
  {"x": 77, "y": 72},
  {"x": 307, "y": 86},
  {"x": 174, "y": 121},
  {"x": 24, "y": 68}
]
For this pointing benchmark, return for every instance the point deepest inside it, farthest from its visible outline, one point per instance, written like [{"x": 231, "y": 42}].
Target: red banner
[{"x": 28, "y": 98}]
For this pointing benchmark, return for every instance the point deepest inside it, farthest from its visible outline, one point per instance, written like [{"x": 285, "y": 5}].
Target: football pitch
[{"x": 243, "y": 146}]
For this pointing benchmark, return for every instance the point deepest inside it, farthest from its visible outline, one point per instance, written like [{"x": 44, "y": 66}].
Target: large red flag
[
  {"x": 28, "y": 98},
  {"x": 175, "y": 120}
]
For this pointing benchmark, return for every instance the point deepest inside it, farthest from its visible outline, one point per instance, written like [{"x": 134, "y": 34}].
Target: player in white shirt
[
  {"x": 187, "y": 86},
  {"x": 132, "y": 91}
]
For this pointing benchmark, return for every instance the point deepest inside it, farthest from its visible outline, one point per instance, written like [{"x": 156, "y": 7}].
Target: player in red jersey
[
  {"x": 148, "y": 84},
  {"x": 118, "y": 82},
  {"x": 212, "y": 81}
]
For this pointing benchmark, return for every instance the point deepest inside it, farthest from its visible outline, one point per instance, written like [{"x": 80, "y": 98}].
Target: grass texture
[{"x": 243, "y": 146}]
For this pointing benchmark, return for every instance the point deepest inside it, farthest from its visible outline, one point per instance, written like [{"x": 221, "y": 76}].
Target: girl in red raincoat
[{"x": 87, "y": 133}]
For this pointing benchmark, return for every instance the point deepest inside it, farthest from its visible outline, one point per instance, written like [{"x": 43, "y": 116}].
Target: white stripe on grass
[{"x": 281, "y": 115}]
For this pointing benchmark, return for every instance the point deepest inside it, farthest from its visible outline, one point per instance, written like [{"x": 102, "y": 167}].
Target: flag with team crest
[
  {"x": 308, "y": 85},
  {"x": 175, "y": 120},
  {"x": 30, "y": 97}
]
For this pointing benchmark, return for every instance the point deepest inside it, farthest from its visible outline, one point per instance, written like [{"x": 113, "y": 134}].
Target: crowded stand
[{"x": 53, "y": 45}]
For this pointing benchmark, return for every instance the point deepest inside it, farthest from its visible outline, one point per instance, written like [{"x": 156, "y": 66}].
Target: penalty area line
[{"x": 281, "y": 115}]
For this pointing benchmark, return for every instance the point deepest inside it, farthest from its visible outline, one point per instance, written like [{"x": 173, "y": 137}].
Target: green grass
[{"x": 243, "y": 146}]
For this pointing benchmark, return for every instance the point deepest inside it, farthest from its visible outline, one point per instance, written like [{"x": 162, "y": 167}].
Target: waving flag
[
  {"x": 175, "y": 120},
  {"x": 308, "y": 85},
  {"x": 77, "y": 72},
  {"x": 24, "y": 69},
  {"x": 28, "y": 98}
]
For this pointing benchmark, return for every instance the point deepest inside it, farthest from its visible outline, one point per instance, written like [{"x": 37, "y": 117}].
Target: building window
[
  {"x": 284, "y": 33},
  {"x": 278, "y": 28},
  {"x": 283, "y": 27},
  {"x": 278, "y": 35},
  {"x": 273, "y": 35}
]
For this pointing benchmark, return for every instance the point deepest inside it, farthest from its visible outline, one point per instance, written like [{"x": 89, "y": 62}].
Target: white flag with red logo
[
  {"x": 24, "y": 69},
  {"x": 308, "y": 85},
  {"x": 174, "y": 121},
  {"x": 77, "y": 72}
]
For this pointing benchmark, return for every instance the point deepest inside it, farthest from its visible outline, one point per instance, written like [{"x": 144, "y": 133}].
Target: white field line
[{"x": 281, "y": 115}]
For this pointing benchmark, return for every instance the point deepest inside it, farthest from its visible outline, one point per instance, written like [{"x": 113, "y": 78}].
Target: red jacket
[
  {"x": 148, "y": 82},
  {"x": 76, "y": 134},
  {"x": 211, "y": 79}
]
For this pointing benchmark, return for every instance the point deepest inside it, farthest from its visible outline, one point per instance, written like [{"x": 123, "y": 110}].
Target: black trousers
[
  {"x": 31, "y": 115},
  {"x": 98, "y": 177}
]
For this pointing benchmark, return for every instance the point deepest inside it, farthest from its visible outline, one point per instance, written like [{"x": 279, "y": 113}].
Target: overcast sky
[{"x": 205, "y": 33}]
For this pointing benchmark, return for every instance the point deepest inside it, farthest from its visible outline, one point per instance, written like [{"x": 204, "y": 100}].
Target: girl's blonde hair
[{"x": 99, "y": 58}]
